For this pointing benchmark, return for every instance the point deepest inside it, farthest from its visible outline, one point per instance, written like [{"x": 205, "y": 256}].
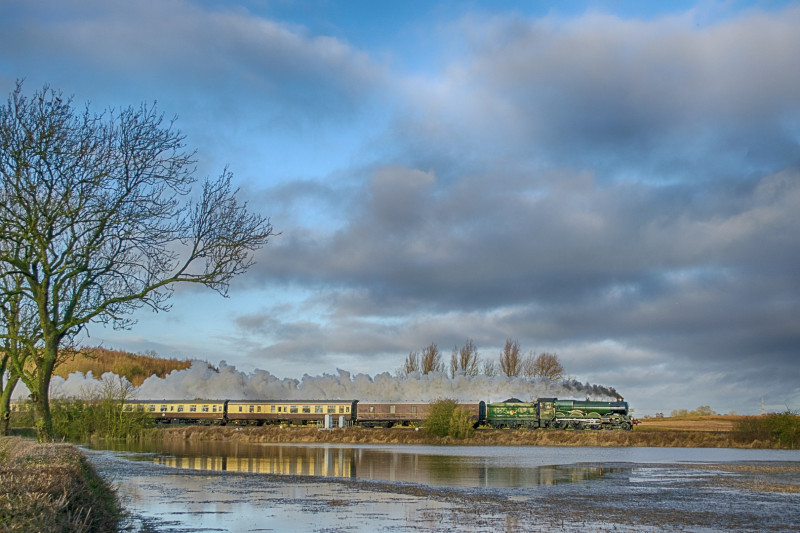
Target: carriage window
[
  {"x": 272, "y": 409},
  {"x": 180, "y": 408},
  {"x": 293, "y": 409},
  {"x": 392, "y": 409},
  {"x": 306, "y": 409},
  {"x": 252, "y": 408},
  {"x": 414, "y": 409},
  {"x": 205, "y": 408},
  {"x": 371, "y": 408},
  {"x": 259, "y": 408},
  {"x": 331, "y": 408},
  {"x": 192, "y": 408},
  {"x": 151, "y": 408},
  {"x": 318, "y": 409},
  {"x": 163, "y": 409}
]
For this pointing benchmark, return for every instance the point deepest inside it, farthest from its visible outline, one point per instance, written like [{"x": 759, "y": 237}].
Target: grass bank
[
  {"x": 51, "y": 487},
  {"x": 481, "y": 437}
]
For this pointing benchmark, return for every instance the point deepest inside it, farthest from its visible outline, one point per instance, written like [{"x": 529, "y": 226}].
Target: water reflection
[
  {"x": 285, "y": 461},
  {"x": 365, "y": 463}
]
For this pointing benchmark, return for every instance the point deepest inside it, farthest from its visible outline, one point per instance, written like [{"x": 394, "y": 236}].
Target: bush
[
  {"x": 446, "y": 418},
  {"x": 79, "y": 421},
  {"x": 100, "y": 415},
  {"x": 461, "y": 423},
  {"x": 437, "y": 423},
  {"x": 781, "y": 430}
]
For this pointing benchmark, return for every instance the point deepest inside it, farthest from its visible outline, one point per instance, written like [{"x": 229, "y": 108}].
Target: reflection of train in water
[
  {"x": 398, "y": 465},
  {"x": 513, "y": 413}
]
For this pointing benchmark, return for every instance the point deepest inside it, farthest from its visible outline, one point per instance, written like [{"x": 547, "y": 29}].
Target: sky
[{"x": 614, "y": 182}]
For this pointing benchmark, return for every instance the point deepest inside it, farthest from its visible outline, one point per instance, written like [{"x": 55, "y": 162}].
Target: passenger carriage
[
  {"x": 187, "y": 411},
  {"x": 390, "y": 414},
  {"x": 296, "y": 412}
]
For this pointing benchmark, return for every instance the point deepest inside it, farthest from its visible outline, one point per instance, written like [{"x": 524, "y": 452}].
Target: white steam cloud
[{"x": 201, "y": 382}]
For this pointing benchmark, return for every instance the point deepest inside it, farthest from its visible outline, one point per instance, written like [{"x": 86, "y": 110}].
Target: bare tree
[
  {"x": 465, "y": 359},
  {"x": 546, "y": 365},
  {"x": 104, "y": 211},
  {"x": 511, "y": 359},
  {"x": 528, "y": 365},
  {"x": 431, "y": 359},
  {"x": 411, "y": 364},
  {"x": 489, "y": 367},
  {"x": 454, "y": 362}
]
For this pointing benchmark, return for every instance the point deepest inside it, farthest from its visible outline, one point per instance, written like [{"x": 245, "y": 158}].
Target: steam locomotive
[{"x": 512, "y": 413}]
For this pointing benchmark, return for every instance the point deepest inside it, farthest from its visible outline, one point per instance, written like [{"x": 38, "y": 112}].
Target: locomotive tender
[{"x": 542, "y": 413}]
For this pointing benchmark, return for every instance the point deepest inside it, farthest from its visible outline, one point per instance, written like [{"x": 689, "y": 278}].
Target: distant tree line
[
  {"x": 703, "y": 410},
  {"x": 134, "y": 367},
  {"x": 466, "y": 360}
]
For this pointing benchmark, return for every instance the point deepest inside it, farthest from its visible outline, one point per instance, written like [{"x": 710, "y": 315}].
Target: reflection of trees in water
[{"x": 365, "y": 463}]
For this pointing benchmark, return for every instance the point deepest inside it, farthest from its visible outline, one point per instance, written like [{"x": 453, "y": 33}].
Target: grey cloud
[
  {"x": 215, "y": 57},
  {"x": 685, "y": 274},
  {"x": 511, "y": 241},
  {"x": 626, "y": 98}
]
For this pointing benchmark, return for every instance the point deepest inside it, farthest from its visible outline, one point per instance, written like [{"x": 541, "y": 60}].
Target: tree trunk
[
  {"x": 41, "y": 391},
  {"x": 43, "y": 418},
  {"x": 5, "y": 404}
]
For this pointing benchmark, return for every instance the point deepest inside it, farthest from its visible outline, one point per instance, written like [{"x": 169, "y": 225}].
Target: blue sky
[{"x": 616, "y": 182}]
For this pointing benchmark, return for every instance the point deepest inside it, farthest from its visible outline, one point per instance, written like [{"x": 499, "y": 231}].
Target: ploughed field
[
  {"x": 722, "y": 423},
  {"x": 704, "y": 432}
]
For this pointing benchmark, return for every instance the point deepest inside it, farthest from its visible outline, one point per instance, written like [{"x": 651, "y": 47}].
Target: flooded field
[{"x": 332, "y": 488}]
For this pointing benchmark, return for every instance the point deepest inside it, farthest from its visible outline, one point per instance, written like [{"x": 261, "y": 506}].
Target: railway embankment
[
  {"x": 51, "y": 487},
  {"x": 641, "y": 436}
]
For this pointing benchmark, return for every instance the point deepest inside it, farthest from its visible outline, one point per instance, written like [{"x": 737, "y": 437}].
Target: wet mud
[{"x": 741, "y": 496}]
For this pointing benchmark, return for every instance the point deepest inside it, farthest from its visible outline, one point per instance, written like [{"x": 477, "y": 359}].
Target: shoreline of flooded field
[{"x": 623, "y": 491}]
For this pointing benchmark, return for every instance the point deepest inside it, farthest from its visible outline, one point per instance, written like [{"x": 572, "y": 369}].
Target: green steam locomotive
[{"x": 560, "y": 414}]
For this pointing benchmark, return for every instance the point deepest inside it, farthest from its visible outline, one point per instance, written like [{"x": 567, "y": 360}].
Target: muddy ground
[{"x": 758, "y": 496}]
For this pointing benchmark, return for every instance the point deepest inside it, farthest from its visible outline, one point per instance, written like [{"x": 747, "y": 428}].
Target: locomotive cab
[{"x": 546, "y": 410}]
